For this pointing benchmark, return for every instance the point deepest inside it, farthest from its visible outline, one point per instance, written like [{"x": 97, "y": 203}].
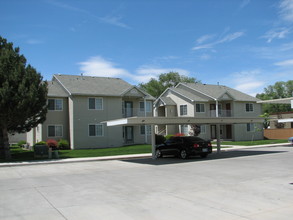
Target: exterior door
[
  {"x": 229, "y": 131},
  {"x": 128, "y": 109},
  {"x": 213, "y": 132},
  {"x": 129, "y": 134},
  {"x": 228, "y": 110}
]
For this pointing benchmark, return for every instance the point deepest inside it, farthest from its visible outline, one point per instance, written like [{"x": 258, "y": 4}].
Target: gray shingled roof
[
  {"x": 55, "y": 90},
  {"x": 217, "y": 91},
  {"x": 191, "y": 96},
  {"x": 95, "y": 86},
  {"x": 168, "y": 101}
]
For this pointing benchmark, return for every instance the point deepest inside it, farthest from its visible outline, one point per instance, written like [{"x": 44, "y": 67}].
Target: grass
[
  {"x": 18, "y": 154},
  {"x": 251, "y": 143}
]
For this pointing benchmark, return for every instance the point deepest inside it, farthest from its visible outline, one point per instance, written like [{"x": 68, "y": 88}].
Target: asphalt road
[{"x": 244, "y": 184}]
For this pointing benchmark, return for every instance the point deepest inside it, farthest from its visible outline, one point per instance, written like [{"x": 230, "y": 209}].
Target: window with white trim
[
  {"x": 183, "y": 109},
  {"x": 184, "y": 129},
  {"x": 202, "y": 129},
  {"x": 55, "y": 130},
  {"x": 250, "y": 127},
  {"x": 96, "y": 130},
  {"x": 96, "y": 103},
  {"x": 55, "y": 104},
  {"x": 148, "y": 129},
  {"x": 199, "y": 107},
  {"x": 249, "y": 107},
  {"x": 148, "y": 106}
]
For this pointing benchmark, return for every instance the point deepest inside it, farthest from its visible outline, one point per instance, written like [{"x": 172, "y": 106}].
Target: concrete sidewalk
[{"x": 123, "y": 157}]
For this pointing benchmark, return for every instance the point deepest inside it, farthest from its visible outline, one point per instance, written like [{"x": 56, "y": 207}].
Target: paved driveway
[{"x": 245, "y": 184}]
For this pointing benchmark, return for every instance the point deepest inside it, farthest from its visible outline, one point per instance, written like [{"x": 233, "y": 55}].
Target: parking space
[{"x": 244, "y": 184}]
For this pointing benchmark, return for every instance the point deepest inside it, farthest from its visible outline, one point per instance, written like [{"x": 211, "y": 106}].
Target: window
[
  {"x": 148, "y": 106},
  {"x": 249, "y": 107},
  {"x": 183, "y": 109},
  {"x": 250, "y": 127},
  {"x": 55, "y": 131},
  {"x": 96, "y": 103},
  {"x": 199, "y": 107},
  {"x": 202, "y": 129},
  {"x": 184, "y": 129},
  {"x": 55, "y": 104},
  {"x": 148, "y": 129},
  {"x": 96, "y": 130}
]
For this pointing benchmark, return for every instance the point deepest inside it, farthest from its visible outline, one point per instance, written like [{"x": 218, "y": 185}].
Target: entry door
[
  {"x": 229, "y": 131},
  {"x": 128, "y": 109},
  {"x": 129, "y": 134},
  {"x": 213, "y": 132}
]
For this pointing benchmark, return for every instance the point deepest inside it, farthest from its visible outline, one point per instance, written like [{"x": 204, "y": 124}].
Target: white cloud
[
  {"x": 98, "y": 66},
  {"x": 226, "y": 38},
  {"x": 286, "y": 10},
  {"x": 249, "y": 82},
  {"x": 204, "y": 38},
  {"x": 244, "y": 3},
  {"x": 278, "y": 33},
  {"x": 114, "y": 20},
  {"x": 285, "y": 63}
]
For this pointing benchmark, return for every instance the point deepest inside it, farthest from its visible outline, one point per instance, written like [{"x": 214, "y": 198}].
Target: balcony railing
[
  {"x": 222, "y": 113},
  {"x": 133, "y": 112}
]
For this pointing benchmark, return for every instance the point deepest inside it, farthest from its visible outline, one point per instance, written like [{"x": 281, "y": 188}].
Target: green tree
[
  {"x": 23, "y": 95},
  {"x": 165, "y": 80},
  {"x": 277, "y": 91}
]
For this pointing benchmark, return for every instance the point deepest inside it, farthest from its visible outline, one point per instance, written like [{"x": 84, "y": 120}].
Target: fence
[{"x": 282, "y": 133}]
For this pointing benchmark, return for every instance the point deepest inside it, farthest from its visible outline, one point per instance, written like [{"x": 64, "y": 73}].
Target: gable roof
[
  {"x": 95, "y": 86},
  {"x": 218, "y": 91},
  {"x": 55, "y": 90}
]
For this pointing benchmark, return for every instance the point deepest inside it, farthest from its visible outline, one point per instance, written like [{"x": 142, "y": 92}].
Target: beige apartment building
[
  {"x": 78, "y": 104},
  {"x": 209, "y": 101}
]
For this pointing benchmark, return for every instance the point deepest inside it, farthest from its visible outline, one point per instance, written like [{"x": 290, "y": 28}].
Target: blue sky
[{"x": 243, "y": 44}]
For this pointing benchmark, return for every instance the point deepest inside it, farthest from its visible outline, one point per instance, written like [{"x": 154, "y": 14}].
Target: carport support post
[
  {"x": 218, "y": 138},
  {"x": 153, "y": 142}
]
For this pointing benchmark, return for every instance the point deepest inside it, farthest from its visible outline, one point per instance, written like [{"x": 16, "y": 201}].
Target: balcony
[
  {"x": 135, "y": 112},
  {"x": 222, "y": 113}
]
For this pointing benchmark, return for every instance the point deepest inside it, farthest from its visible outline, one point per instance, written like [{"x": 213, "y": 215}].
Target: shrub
[
  {"x": 40, "y": 143},
  {"x": 160, "y": 139},
  {"x": 169, "y": 136},
  {"x": 179, "y": 135},
  {"x": 63, "y": 144},
  {"x": 51, "y": 143},
  {"x": 20, "y": 143}
]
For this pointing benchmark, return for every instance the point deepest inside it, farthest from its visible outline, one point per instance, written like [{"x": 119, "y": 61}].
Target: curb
[
  {"x": 75, "y": 160},
  {"x": 123, "y": 157}
]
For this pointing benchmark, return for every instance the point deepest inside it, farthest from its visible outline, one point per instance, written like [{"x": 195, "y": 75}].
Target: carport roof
[
  {"x": 277, "y": 101},
  {"x": 180, "y": 120}
]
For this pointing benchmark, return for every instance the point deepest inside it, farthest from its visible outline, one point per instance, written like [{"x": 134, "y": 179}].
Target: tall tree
[
  {"x": 23, "y": 95},
  {"x": 277, "y": 91},
  {"x": 156, "y": 87}
]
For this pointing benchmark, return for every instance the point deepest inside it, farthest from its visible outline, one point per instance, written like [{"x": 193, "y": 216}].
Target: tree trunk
[
  {"x": 1, "y": 144},
  {"x": 7, "y": 154}
]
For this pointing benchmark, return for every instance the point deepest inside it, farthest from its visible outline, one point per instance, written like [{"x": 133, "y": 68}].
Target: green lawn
[
  {"x": 18, "y": 154},
  {"x": 251, "y": 143}
]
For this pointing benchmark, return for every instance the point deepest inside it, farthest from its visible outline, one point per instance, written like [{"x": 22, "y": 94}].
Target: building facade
[
  {"x": 206, "y": 101},
  {"x": 77, "y": 106}
]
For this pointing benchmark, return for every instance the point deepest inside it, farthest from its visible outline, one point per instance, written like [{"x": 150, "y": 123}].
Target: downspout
[
  {"x": 218, "y": 127},
  {"x": 145, "y": 127}
]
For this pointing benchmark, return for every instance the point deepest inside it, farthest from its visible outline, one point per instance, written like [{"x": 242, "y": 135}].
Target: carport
[
  {"x": 280, "y": 101},
  {"x": 132, "y": 121}
]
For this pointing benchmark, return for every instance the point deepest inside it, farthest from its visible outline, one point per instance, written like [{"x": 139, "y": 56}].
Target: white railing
[
  {"x": 222, "y": 113},
  {"x": 133, "y": 112}
]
